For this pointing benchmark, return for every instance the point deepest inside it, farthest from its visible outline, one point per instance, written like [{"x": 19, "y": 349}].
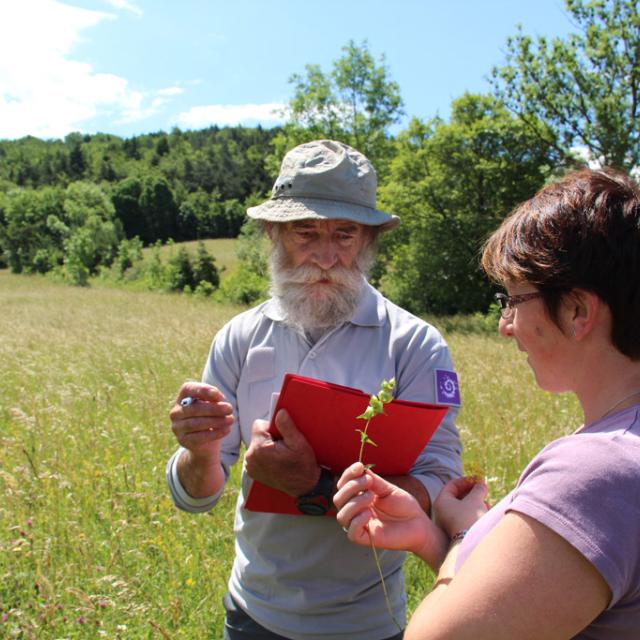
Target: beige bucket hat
[{"x": 326, "y": 180}]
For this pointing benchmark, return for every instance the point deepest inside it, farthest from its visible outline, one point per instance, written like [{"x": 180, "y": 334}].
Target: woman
[{"x": 558, "y": 557}]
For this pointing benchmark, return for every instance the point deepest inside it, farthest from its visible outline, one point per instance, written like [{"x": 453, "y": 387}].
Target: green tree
[
  {"x": 452, "y": 183},
  {"x": 250, "y": 282},
  {"x": 585, "y": 88},
  {"x": 126, "y": 200},
  {"x": 204, "y": 267},
  {"x": 77, "y": 163},
  {"x": 179, "y": 271},
  {"x": 158, "y": 209},
  {"x": 3, "y": 230},
  {"x": 94, "y": 231},
  {"x": 129, "y": 253},
  {"x": 356, "y": 103},
  {"x": 34, "y": 229}
]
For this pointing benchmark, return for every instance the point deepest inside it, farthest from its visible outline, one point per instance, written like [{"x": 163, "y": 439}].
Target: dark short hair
[{"x": 580, "y": 232}]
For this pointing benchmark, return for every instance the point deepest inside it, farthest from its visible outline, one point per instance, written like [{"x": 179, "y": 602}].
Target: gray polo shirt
[{"x": 299, "y": 576}]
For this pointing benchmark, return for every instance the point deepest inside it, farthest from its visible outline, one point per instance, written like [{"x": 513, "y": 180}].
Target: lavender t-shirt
[{"x": 586, "y": 488}]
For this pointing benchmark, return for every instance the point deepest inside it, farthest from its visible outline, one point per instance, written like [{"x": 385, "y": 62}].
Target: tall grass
[{"x": 90, "y": 544}]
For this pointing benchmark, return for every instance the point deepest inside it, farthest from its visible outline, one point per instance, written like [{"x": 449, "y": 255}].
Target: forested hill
[
  {"x": 197, "y": 180},
  {"x": 79, "y": 206}
]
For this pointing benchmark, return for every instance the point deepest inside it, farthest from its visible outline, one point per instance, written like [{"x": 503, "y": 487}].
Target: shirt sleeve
[
  {"x": 585, "y": 488},
  {"x": 180, "y": 497},
  {"x": 222, "y": 371},
  {"x": 440, "y": 461}
]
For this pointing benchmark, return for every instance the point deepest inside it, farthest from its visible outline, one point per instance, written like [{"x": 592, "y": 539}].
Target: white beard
[{"x": 309, "y": 304}]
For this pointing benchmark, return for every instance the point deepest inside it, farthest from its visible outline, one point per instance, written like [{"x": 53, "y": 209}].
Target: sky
[{"x": 129, "y": 67}]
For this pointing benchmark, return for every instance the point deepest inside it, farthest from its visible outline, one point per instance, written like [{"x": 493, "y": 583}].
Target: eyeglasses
[{"x": 507, "y": 303}]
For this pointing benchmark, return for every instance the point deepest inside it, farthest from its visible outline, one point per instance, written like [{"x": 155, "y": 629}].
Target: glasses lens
[{"x": 503, "y": 304}]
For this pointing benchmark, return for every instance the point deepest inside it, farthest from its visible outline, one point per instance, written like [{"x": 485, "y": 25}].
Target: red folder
[{"x": 327, "y": 413}]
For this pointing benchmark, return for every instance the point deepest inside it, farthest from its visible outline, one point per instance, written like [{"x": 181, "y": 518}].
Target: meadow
[
  {"x": 91, "y": 545},
  {"x": 224, "y": 250}
]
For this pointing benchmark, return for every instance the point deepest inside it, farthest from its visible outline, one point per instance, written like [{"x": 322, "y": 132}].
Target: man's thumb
[{"x": 286, "y": 426}]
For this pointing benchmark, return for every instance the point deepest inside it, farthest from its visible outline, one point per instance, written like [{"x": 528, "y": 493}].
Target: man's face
[
  {"x": 318, "y": 270},
  {"x": 322, "y": 243}
]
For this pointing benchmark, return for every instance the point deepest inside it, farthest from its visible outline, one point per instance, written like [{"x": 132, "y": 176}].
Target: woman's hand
[
  {"x": 460, "y": 503},
  {"x": 373, "y": 510}
]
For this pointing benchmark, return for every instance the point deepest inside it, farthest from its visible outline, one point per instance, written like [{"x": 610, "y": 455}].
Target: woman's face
[{"x": 540, "y": 338}]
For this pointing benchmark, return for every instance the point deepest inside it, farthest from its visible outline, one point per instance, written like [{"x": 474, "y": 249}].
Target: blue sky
[{"x": 135, "y": 66}]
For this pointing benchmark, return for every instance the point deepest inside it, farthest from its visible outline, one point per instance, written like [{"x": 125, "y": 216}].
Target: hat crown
[{"x": 327, "y": 169}]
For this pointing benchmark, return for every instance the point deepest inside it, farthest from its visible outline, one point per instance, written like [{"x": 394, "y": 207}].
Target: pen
[{"x": 185, "y": 402}]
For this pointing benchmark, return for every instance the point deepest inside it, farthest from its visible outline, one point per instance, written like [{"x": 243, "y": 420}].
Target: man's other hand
[{"x": 288, "y": 464}]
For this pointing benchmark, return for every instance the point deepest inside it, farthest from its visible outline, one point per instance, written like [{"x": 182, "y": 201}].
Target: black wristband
[{"x": 320, "y": 499}]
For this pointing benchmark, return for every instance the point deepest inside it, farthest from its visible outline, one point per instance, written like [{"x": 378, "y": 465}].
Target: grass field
[
  {"x": 222, "y": 249},
  {"x": 90, "y": 543}
]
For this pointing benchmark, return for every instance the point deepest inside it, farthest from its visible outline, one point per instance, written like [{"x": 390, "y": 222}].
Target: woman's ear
[{"x": 584, "y": 309}]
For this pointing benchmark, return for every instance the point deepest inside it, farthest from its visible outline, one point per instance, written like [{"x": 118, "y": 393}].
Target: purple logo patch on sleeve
[{"x": 447, "y": 390}]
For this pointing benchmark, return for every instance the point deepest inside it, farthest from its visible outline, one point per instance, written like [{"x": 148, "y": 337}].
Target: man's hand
[
  {"x": 200, "y": 426},
  {"x": 288, "y": 464}
]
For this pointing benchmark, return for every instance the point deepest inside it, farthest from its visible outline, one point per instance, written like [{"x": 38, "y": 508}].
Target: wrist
[
  {"x": 314, "y": 479},
  {"x": 433, "y": 545},
  {"x": 201, "y": 476},
  {"x": 319, "y": 499},
  {"x": 204, "y": 457},
  {"x": 458, "y": 536}
]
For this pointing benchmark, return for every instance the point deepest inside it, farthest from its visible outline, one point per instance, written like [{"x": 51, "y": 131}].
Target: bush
[
  {"x": 204, "y": 289},
  {"x": 129, "y": 252},
  {"x": 244, "y": 287}
]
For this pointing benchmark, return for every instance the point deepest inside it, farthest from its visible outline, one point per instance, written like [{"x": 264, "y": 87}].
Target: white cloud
[
  {"x": 170, "y": 91},
  {"x": 230, "y": 115},
  {"x": 128, "y": 6},
  {"x": 43, "y": 91}
]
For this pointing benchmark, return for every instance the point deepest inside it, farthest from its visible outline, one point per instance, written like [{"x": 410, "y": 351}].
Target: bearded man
[{"x": 298, "y": 577}]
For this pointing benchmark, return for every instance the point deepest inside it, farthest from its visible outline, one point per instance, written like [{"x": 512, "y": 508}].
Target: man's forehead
[{"x": 310, "y": 223}]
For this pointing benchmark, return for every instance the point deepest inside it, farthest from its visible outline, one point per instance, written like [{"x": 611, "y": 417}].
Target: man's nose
[{"x": 325, "y": 254}]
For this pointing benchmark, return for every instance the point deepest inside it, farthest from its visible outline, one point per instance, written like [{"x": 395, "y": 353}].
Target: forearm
[{"x": 424, "y": 613}]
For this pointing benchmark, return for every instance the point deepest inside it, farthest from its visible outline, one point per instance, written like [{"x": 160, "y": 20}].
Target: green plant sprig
[{"x": 375, "y": 408}]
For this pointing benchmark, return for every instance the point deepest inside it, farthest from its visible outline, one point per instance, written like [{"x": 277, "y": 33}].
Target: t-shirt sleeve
[
  {"x": 585, "y": 488},
  {"x": 440, "y": 461}
]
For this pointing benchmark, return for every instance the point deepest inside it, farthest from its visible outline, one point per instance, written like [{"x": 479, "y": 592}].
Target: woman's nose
[{"x": 505, "y": 327}]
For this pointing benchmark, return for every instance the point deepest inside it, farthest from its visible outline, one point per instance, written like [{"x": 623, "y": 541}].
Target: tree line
[{"x": 554, "y": 106}]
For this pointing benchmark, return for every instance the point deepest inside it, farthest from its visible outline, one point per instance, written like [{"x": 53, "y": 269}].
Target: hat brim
[{"x": 289, "y": 209}]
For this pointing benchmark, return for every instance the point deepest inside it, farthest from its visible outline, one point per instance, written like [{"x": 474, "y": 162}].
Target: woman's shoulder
[{"x": 611, "y": 447}]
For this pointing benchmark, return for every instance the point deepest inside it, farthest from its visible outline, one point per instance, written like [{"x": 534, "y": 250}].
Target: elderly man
[{"x": 298, "y": 577}]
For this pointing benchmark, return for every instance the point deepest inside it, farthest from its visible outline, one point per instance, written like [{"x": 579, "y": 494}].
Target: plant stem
[
  {"x": 373, "y": 546},
  {"x": 363, "y": 441},
  {"x": 382, "y": 582}
]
